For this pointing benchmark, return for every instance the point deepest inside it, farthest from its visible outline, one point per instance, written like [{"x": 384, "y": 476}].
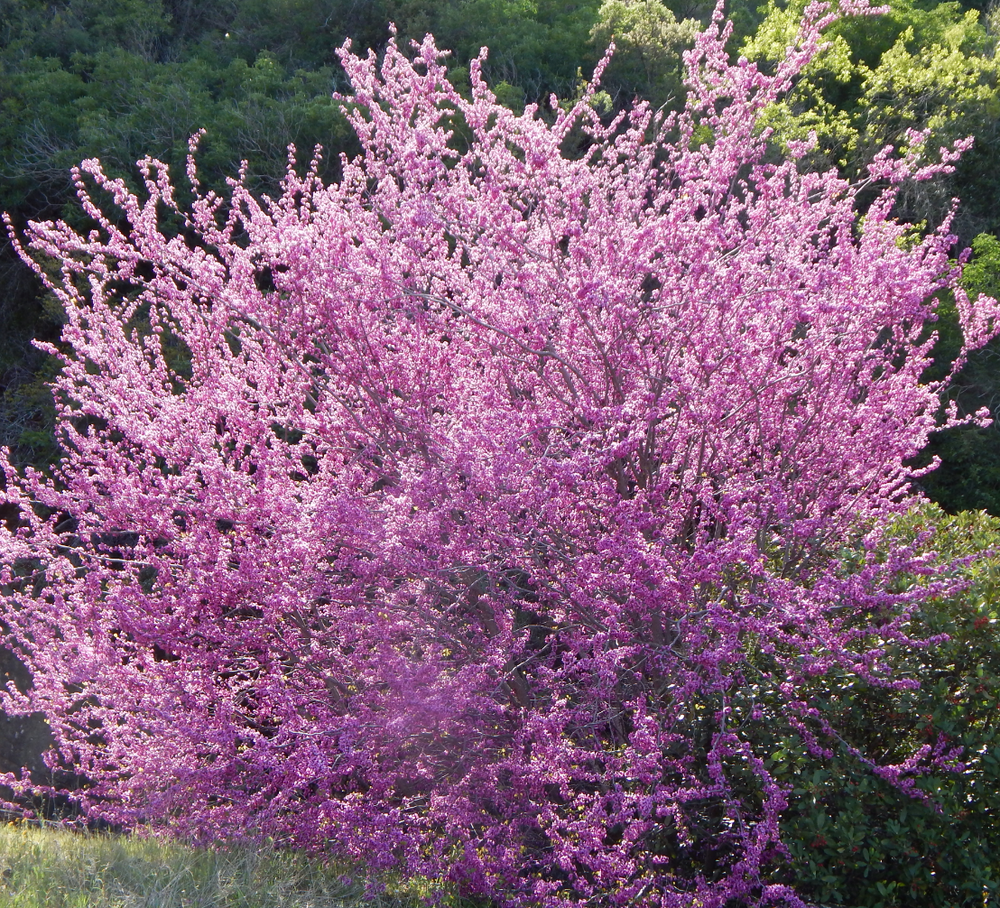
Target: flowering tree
[{"x": 473, "y": 514}]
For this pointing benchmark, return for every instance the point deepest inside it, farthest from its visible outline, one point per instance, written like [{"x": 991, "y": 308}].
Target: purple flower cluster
[{"x": 470, "y": 515}]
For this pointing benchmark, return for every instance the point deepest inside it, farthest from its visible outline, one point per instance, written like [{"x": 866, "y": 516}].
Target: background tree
[
  {"x": 969, "y": 477},
  {"x": 649, "y": 44},
  {"x": 915, "y": 68}
]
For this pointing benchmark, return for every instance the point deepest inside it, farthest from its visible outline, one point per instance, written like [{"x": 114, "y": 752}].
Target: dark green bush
[{"x": 857, "y": 840}]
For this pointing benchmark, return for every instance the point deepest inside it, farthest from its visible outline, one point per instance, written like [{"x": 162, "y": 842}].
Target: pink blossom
[{"x": 464, "y": 515}]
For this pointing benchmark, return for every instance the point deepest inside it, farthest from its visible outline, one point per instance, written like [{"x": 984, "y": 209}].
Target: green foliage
[
  {"x": 855, "y": 839},
  {"x": 59, "y": 30},
  {"x": 917, "y": 67},
  {"x": 536, "y": 45},
  {"x": 969, "y": 475},
  {"x": 119, "y": 107},
  {"x": 27, "y": 417},
  {"x": 649, "y": 43},
  {"x": 982, "y": 273}
]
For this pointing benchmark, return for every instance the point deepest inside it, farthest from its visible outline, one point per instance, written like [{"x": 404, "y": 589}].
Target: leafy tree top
[{"x": 913, "y": 68}]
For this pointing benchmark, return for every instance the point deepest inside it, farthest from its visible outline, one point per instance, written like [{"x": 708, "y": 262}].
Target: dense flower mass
[{"x": 472, "y": 514}]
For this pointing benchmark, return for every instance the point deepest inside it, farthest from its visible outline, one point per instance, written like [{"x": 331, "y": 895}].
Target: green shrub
[{"x": 857, "y": 840}]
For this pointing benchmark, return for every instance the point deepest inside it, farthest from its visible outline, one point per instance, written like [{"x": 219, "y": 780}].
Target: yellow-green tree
[{"x": 880, "y": 79}]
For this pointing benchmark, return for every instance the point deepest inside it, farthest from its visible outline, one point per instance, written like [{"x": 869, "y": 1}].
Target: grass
[{"x": 59, "y": 868}]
